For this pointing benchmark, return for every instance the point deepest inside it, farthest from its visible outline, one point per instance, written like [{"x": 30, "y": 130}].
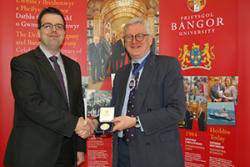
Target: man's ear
[
  {"x": 38, "y": 34},
  {"x": 150, "y": 39}
]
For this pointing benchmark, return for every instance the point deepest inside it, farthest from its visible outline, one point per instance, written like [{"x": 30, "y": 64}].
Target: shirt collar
[
  {"x": 141, "y": 60},
  {"x": 48, "y": 54}
]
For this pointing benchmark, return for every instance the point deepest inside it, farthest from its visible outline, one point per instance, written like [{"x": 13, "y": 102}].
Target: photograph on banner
[
  {"x": 221, "y": 113},
  {"x": 223, "y": 96},
  {"x": 106, "y": 19},
  {"x": 195, "y": 88},
  {"x": 84, "y": 85},
  {"x": 95, "y": 100},
  {"x": 223, "y": 89},
  {"x": 84, "y": 92}
]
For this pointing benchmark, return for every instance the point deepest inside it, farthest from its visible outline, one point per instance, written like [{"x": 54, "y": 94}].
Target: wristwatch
[{"x": 137, "y": 123}]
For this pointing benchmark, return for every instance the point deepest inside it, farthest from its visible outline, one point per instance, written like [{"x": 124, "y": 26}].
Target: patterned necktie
[
  {"x": 129, "y": 133},
  {"x": 59, "y": 74}
]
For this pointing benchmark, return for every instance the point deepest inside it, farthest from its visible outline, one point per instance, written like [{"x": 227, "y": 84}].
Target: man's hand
[
  {"x": 80, "y": 158},
  {"x": 93, "y": 123},
  {"x": 82, "y": 128},
  {"x": 85, "y": 127},
  {"x": 123, "y": 122}
]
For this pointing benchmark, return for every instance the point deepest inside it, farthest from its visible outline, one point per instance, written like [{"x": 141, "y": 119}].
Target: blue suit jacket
[{"x": 160, "y": 105}]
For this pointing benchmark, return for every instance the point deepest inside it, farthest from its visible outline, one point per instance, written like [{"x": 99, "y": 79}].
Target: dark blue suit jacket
[{"x": 160, "y": 105}]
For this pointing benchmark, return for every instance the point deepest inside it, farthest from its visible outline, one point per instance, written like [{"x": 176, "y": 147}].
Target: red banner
[
  {"x": 203, "y": 36},
  {"x": 210, "y": 39}
]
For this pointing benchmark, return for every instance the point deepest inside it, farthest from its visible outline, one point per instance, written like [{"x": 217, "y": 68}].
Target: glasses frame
[
  {"x": 138, "y": 37},
  {"x": 50, "y": 26}
]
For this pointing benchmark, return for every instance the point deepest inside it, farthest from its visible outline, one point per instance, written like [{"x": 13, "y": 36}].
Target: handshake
[{"x": 85, "y": 127}]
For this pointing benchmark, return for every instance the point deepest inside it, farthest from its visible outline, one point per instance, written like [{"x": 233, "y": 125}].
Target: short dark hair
[{"x": 49, "y": 10}]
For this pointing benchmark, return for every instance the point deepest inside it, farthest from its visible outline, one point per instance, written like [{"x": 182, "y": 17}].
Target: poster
[
  {"x": 197, "y": 33},
  {"x": 214, "y": 30}
]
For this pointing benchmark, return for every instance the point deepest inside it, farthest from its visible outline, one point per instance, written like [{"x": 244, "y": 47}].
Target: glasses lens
[
  {"x": 49, "y": 26},
  {"x": 139, "y": 37},
  {"x": 128, "y": 38},
  {"x": 59, "y": 26}
]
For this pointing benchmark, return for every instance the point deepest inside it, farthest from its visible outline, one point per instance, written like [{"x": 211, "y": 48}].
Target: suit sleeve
[
  {"x": 80, "y": 143},
  {"x": 171, "y": 99},
  {"x": 33, "y": 104}
]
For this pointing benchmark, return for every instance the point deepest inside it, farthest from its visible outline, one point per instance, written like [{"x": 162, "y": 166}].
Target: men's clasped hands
[{"x": 85, "y": 127}]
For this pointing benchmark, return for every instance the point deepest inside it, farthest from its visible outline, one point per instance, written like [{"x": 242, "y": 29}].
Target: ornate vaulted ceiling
[
  {"x": 114, "y": 13},
  {"x": 111, "y": 10}
]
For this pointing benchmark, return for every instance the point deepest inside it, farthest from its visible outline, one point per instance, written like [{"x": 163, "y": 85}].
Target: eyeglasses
[
  {"x": 138, "y": 37},
  {"x": 50, "y": 27}
]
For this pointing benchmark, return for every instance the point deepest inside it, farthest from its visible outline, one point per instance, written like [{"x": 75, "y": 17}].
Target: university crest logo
[
  {"x": 196, "y": 57},
  {"x": 196, "y": 5}
]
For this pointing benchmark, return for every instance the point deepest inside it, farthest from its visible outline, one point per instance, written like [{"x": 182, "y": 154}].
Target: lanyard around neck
[{"x": 136, "y": 72}]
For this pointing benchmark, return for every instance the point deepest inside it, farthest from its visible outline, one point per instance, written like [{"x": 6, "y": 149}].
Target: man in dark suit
[
  {"x": 120, "y": 53},
  {"x": 105, "y": 55},
  {"x": 95, "y": 60},
  {"x": 48, "y": 122},
  {"x": 154, "y": 93}
]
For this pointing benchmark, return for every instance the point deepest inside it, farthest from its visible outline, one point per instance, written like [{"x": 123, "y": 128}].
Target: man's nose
[
  {"x": 54, "y": 28},
  {"x": 133, "y": 39}
]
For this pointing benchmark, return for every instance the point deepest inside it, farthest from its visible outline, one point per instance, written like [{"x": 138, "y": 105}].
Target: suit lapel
[
  {"x": 69, "y": 76},
  {"x": 45, "y": 64},
  {"x": 145, "y": 80},
  {"x": 123, "y": 85}
]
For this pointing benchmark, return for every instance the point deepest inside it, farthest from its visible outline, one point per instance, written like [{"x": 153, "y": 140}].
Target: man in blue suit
[{"x": 154, "y": 93}]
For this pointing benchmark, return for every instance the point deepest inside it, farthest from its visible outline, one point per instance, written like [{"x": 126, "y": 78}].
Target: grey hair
[{"x": 137, "y": 20}]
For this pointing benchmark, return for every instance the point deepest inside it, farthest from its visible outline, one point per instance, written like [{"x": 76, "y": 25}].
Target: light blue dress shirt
[{"x": 125, "y": 103}]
